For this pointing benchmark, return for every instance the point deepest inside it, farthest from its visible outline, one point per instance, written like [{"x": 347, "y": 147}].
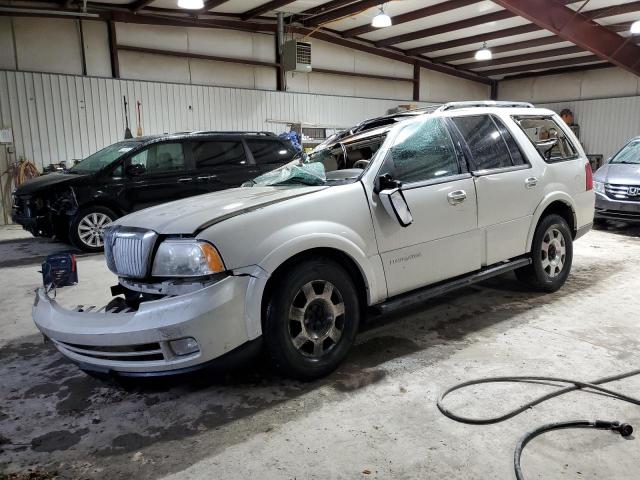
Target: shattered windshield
[{"x": 295, "y": 172}]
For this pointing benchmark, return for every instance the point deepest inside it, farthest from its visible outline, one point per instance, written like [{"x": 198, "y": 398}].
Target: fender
[
  {"x": 370, "y": 268},
  {"x": 548, "y": 199}
]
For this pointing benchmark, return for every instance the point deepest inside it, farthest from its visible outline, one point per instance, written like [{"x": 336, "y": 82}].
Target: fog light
[{"x": 184, "y": 346}]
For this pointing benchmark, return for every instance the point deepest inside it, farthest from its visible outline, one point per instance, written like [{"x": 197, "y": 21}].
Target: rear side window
[
  {"x": 269, "y": 151},
  {"x": 487, "y": 146},
  {"x": 214, "y": 153},
  {"x": 548, "y": 138},
  {"x": 516, "y": 155},
  {"x": 424, "y": 151}
]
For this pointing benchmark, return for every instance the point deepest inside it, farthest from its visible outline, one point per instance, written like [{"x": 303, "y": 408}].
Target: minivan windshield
[
  {"x": 629, "y": 154},
  {"x": 103, "y": 158}
]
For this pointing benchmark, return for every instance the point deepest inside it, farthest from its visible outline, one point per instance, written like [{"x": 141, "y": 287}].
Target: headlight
[
  {"x": 178, "y": 257},
  {"x": 598, "y": 187}
]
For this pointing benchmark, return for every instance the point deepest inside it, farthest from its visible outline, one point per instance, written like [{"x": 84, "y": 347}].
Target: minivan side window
[
  {"x": 542, "y": 129},
  {"x": 161, "y": 158},
  {"x": 488, "y": 149},
  {"x": 218, "y": 152},
  {"x": 269, "y": 151},
  {"x": 422, "y": 151}
]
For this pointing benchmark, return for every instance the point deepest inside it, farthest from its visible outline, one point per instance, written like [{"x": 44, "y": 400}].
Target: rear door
[
  {"x": 270, "y": 153},
  {"x": 221, "y": 164},
  {"x": 507, "y": 185},
  {"x": 166, "y": 175}
]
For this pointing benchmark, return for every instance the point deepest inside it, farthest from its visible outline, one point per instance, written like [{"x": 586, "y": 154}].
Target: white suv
[{"x": 292, "y": 261}]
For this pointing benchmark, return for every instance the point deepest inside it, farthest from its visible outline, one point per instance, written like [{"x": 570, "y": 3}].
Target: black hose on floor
[{"x": 572, "y": 385}]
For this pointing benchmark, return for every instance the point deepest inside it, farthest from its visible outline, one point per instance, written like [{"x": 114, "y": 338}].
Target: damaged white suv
[{"x": 293, "y": 261}]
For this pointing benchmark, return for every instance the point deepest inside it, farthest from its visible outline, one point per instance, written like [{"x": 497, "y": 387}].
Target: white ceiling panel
[
  {"x": 465, "y": 32},
  {"x": 532, "y": 62},
  {"x": 522, "y": 51}
]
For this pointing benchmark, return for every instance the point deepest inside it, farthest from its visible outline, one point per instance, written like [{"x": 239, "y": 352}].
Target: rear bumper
[
  {"x": 138, "y": 343},
  {"x": 616, "y": 210}
]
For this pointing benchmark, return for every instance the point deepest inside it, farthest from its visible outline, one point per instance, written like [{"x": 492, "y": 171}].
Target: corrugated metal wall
[
  {"x": 605, "y": 124},
  {"x": 61, "y": 117}
]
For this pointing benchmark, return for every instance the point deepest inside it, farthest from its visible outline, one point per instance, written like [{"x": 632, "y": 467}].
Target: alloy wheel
[
  {"x": 316, "y": 318},
  {"x": 553, "y": 252},
  {"x": 91, "y": 228}
]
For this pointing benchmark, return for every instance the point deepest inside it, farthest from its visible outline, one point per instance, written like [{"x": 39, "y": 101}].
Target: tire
[
  {"x": 85, "y": 231},
  {"x": 552, "y": 255},
  {"x": 311, "y": 319}
]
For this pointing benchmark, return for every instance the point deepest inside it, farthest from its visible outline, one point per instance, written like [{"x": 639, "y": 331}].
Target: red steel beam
[
  {"x": 542, "y": 65},
  {"x": 555, "y": 71},
  {"x": 140, "y": 4},
  {"x": 413, "y": 15},
  {"x": 525, "y": 57},
  {"x": 266, "y": 7},
  {"x": 211, "y": 4},
  {"x": 577, "y": 28},
  {"x": 326, "y": 7},
  {"x": 341, "y": 12}
]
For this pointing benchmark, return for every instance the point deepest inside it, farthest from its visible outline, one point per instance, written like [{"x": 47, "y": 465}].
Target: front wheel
[
  {"x": 551, "y": 255},
  {"x": 311, "y": 320},
  {"x": 87, "y": 228}
]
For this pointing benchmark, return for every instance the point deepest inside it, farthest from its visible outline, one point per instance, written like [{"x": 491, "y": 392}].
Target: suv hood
[
  {"x": 619, "y": 173},
  {"x": 44, "y": 182},
  {"x": 194, "y": 214}
]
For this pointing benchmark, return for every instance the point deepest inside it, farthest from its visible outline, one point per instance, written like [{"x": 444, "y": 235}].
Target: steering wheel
[{"x": 361, "y": 164}]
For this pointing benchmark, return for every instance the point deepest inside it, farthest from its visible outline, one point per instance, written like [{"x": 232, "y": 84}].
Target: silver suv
[
  {"x": 617, "y": 185},
  {"x": 291, "y": 262}
]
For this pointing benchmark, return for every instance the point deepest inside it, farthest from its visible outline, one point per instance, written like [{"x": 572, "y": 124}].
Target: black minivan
[{"x": 138, "y": 173}]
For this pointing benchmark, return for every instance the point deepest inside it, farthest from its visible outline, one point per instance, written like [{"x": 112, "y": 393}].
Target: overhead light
[
  {"x": 191, "y": 4},
  {"x": 635, "y": 28},
  {"x": 484, "y": 53},
  {"x": 381, "y": 20}
]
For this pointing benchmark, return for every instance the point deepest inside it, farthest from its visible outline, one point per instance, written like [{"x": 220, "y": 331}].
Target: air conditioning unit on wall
[{"x": 296, "y": 56}]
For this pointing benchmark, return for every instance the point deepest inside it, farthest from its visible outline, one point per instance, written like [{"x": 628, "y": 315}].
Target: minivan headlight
[
  {"x": 598, "y": 187},
  {"x": 185, "y": 257}
]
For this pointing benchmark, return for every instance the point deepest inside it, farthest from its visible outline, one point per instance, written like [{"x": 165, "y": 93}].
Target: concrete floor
[{"x": 375, "y": 417}]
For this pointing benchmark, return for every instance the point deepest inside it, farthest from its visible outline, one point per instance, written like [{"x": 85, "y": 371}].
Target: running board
[{"x": 408, "y": 299}]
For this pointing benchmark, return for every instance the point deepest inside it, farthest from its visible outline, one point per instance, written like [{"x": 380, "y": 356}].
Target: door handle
[
  {"x": 185, "y": 180},
  {"x": 204, "y": 178},
  {"x": 457, "y": 197},
  {"x": 531, "y": 182}
]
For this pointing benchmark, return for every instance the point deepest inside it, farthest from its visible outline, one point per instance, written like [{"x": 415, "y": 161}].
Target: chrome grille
[
  {"x": 128, "y": 250},
  {"x": 623, "y": 192}
]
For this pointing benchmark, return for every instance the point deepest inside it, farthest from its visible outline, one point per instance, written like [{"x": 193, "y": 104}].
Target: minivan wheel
[
  {"x": 551, "y": 254},
  {"x": 311, "y": 319},
  {"x": 87, "y": 227}
]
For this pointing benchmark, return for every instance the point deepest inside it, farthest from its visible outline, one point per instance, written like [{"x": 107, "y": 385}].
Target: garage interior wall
[{"x": 605, "y": 103}]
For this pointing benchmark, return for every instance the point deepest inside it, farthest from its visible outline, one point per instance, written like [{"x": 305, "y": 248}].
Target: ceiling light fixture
[
  {"x": 484, "y": 53},
  {"x": 381, "y": 20},
  {"x": 635, "y": 28},
  {"x": 191, "y": 4}
]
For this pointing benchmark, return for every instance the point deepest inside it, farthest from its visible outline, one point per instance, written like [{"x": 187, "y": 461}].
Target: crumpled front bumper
[{"x": 138, "y": 342}]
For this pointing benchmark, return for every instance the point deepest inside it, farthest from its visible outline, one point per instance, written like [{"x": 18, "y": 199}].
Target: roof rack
[
  {"x": 231, "y": 132},
  {"x": 484, "y": 103}
]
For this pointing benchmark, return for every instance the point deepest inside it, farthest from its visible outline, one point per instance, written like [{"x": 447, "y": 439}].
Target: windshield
[
  {"x": 629, "y": 154},
  {"x": 103, "y": 158}
]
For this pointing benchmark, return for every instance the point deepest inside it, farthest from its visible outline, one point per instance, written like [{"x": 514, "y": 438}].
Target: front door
[
  {"x": 443, "y": 240},
  {"x": 163, "y": 176}
]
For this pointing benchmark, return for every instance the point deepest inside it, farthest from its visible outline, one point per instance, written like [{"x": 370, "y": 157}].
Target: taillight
[{"x": 589, "y": 176}]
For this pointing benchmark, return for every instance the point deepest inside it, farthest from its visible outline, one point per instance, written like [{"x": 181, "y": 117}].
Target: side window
[
  {"x": 424, "y": 151},
  {"x": 269, "y": 151},
  {"x": 161, "y": 158},
  {"x": 516, "y": 155},
  {"x": 487, "y": 147},
  {"x": 540, "y": 131},
  {"x": 214, "y": 153}
]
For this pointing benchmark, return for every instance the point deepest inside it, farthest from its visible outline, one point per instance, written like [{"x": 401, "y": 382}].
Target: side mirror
[
  {"x": 136, "y": 169},
  {"x": 396, "y": 206},
  {"x": 545, "y": 147}
]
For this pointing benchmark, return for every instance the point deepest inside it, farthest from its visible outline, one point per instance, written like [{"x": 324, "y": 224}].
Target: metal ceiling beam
[
  {"x": 139, "y": 5},
  {"x": 211, "y": 4},
  {"x": 555, "y": 71},
  {"x": 413, "y": 15},
  {"x": 542, "y": 65},
  {"x": 577, "y": 28},
  {"x": 341, "y": 12},
  {"x": 325, "y": 7},
  {"x": 510, "y": 47},
  {"x": 266, "y": 7},
  {"x": 525, "y": 57}
]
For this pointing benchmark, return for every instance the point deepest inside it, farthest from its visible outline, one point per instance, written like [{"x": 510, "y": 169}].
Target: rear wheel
[
  {"x": 88, "y": 226},
  {"x": 551, "y": 254},
  {"x": 311, "y": 320}
]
